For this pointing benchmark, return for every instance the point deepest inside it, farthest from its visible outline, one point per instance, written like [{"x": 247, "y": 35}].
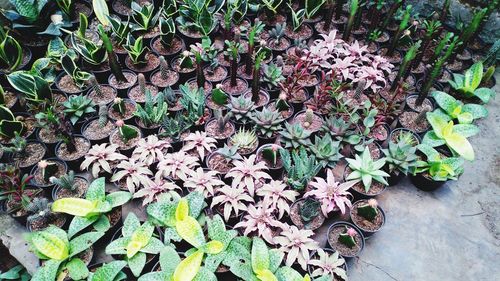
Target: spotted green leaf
[
  {"x": 109, "y": 271},
  {"x": 189, "y": 267},
  {"x": 77, "y": 269}
]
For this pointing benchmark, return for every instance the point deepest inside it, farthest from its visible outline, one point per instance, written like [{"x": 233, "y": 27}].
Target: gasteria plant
[
  {"x": 248, "y": 175},
  {"x": 205, "y": 182},
  {"x": 468, "y": 84},
  {"x": 158, "y": 189},
  {"x": 177, "y": 165},
  {"x": 133, "y": 172},
  {"x": 136, "y": 50},
  {"x": 268, "y": 122},
  {"x": 454, "y": 109},
  {"x": 332, "y": 194},
  {"x": 296, "y": 244},
  {"x": 101, "y": 157},
  {"x": 93, "y": 209},
  {"x": 10, "y": 52},
  {"x": 150, "y": 150},
  {"x": 454, "y": 136},
  {"x": 55, "y": 247},
  {"x": 300, "y": 167},
  {"x": 200, "y": 143},
  {"x": 365, "y": 170},
  {"x": 278, "y": 196},
  {"x": 232, "y": 200},
  {"x": 137, "y": 240},
  {"x": 155, "y": 109},
  {"x": 328, "y": 265},
  {"x": 144, "y": 16}
]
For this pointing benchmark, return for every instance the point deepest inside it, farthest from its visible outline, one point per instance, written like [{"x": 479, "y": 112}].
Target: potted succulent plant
[
  {"x": 368, "y": 216},
  {"x": 346, "y": 239}
]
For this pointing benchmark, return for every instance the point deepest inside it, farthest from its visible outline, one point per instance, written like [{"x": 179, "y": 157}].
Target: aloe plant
[
  {"x": 60, "y": 252},
  {"x": 453, "y": 109},
  {"x": 136, "y": 241},
  {"x": 437, "y": 166},
  {"x": 365, "y": 170},
  {"x": 300, "y": 167},
  {"x": 91, "y": 210},
  {"x": 454, "y": 136},
  {"x": 467, "y": 84}
]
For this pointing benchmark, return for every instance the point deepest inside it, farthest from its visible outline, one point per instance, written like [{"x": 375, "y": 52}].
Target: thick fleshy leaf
[
  {"x": 474, "y": 75},
  {"x": 431, "y": 139},
  {"x": 461, "y": 146},
  {"x": 101, "y": 11},
  {"x": 465, "y": 118},
  {"x": 79, "y": 223},
  {"x": 108, "y": 271},
  {"x": 83, "y": 242},
  {"x": 260, "y": 255},
  {"x": 48, "y": 272},
  {"x": 117, "y": 247},
  {"x": 275, "y": 258},
  {"x": 50, "y": 244},
  {"x": 102, "y": 224},
  {"x": 155, "y": 276},
  {"x": 74, "y": 206},
  {"x": 118, "y": 198},
  {"x": 136, "y": 263},
  {"x": 445, "y": 101},
  {"x": 288, "y": 274},
  {"x": 162, "y": 213},
  {"x": 139, "y": 239},
  {"x": 190, "y": 230},
  {"x": 438, "y": 124},
  {"x": 169, "y": 260},
  {"x": 96, "y": 190},
  {"x": 154, "y": 246},
  {"x": 182, "y": 210},
  {"x": 130, "y": 224},
  {"x": 205, "y": 275},
  {"x": 213, "y": 247},
  {"x": 476, "y": 110},
  {"x": 484, "y": 94},
  {"x": 196, "y": 202},
  {"x": 466, "y": 130},
  {"x": 77, "y": 269},
  {"x": 189, "y": 267}
]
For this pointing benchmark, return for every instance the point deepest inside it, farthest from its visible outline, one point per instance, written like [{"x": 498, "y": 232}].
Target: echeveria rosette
[
  {"x": 365, "y": 170},
  {"x": 53, "y": 245},
  {"x": 453, "y": 109},
  {"x": 447, "y": 133},
  {"x": 91, "y": 210},
  {"x": 136, "y": 242}
]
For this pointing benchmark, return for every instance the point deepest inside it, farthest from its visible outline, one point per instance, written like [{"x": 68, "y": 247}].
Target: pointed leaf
[
  {"x": 137, "y": 263},
  {"x": 74, "y": 206},
  {"x": 190, "y": 230},
  {"x": 189, "y": 267},
  {"x": 77, "y": 269},
  {"x": 108, "y": 271},
  {"x": 83, "y": 242}
]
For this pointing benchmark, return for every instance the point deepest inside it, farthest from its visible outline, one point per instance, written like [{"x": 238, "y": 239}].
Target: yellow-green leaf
[
  {"x": 266, "y": 275},
  {"x": 213, "y": 247},
  {"x": 182, "y": 210},
  {"x": 189, "y": 267},
  {"x": 50, "y": 245},
  {"x": 101, "y": 11},
  {"x": 447, "y": 130},
  {"x": 260, "y": 255},
  {"x": 74, "y": 206},
  {"x": 190, "y": 230},
  {"x": 307, "y": 277},
  {"x": 461, "y": 145},
  {"x": 139, "y": 239}
]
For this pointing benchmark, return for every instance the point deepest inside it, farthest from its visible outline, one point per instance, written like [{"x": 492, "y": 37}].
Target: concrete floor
[{"x": 450, "y": 234}]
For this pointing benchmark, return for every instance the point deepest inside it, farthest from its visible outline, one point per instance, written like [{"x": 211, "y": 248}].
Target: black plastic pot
[
  {"x": 417, "y": 138},
  {"x": 360, "y": 195},
  {"x": 423, "y": 183},
  {"x": 27, "y": 169},
  {"x": 347, "y": 224},
  {"x": 75, "y": 163},
  {"x": 47, "y": 187},
  {"x": 56, "y": 83},
  {"x": 368, "y": 233},
  {"x": 126, "y": 151},
  {"x": 84, "y": 128},
  {"x": 395, "y": 177},
  {"x": 122, "y": 91},
  {"x": 146, "y": 131},
  {"x": 167, "y": 54}
]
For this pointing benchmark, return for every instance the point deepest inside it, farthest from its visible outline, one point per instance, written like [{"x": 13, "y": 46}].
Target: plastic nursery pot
[
  {"x": 20, "y": 215},
  {"x": 298, "y": 103},
  {"x": 127, "y": 117},
  {"x": 358, "y": 190},
  {"x": 35, "y": 150},
  {"x": 157, "y": 80},
  {"x": 296, "y": 219},
  {"x": 184, "y": 73},
  {"x": 74, "y": 159},
  {"x": 424, "y": 183},
  {"x": 332, "y": 238},
  {"x": 59, "y": 220},
  {"x": 288, "y": 115},
  {"x": 29, "y": 123},
  {"x": 158, "y": 48},
  {"x": 122, "y": 87},
  {"x": 396, "y": 133},
  {"x": 128, "y": 147},
  {"x": 96, "y": 134},
  {"x": 368, "y": 228},
  {"x": 211, "y": 163},
  {"x": 193, "y": 84},
  {"x": 135, "y": 94},
  {"x": 152, "y": 63},
  {"x": 146, "y": 131},
  {"x": 59, "y": 192},
  {"x": 216, "y": 75},
  {"x": 274, "y": 171},
  {"x": 108, "y": 95},
  {"x": 314, "y": 255},
  {"x": 38, "y": 180},
  {"x": 264, "y": 98},
  {"x": 65, "y": 84},
  {"x": 246, "y": 152},
  {"x": 121, "y": 9},
  {"x": 240, "y": 88},
  {"x": 314, "y": 126},
  {"x": 211, "y": 128}
]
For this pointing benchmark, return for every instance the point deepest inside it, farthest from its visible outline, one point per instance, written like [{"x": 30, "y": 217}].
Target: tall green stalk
[
  {"x": 389, "y": 15},
  {"x": 116, "y": 69},
  {"x": 350, "y": 22},
  {"x": 403, "y": 68},
  {"x": 431, "y": 31},
  {"x": 402, "y": 26}
]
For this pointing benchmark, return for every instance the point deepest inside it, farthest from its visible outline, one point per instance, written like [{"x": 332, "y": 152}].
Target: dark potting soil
[
  {"x": 224, "y": 60},
  {"x": 131, "y": 80},
  {"x": 174, "y": 48},
  {"x": 305, "y": 31},
  {"x": 172, "y": 78},
  {"x": 395, "y": 58},
  {"x": 216, "y": 75},
  {"x": 34, "y": 152},
  {"x": 263, "y": 98},
  {"x": 245, "y": 151},
  {"x": 426, "y": 104},
  {"x": 279, "y": 161},
  {"x": 285, "y": 114},
  {"x": 278, "y": 18},
  {"x": 108, "y": 94},
  {"x": 211, "y": 104},
  {"x": 316, "y": 223},
  {"x": 242, "y": 72},
  {"x": 281, "y": 45},
  {"x": 389, "y": 95},
  {"x": 114, "y": 216},
  {"x": 420, "y": 69},
  {"x": 94, "y": 131},
  {"x": 129, "y": 112},
  {"x": 465, "y": 55},
  {"x": 80, "y": 188},
  {"x": 407, "y": 120},
  {"x": 362, "y": 222},
  {"x": 115, "y": 138},
  {"x": 383, "y": 38},
  {"x": 150, "y": 33},
  {"x": 193, "y": 85},
  {"x": 121, "y": 6},
  {"x": 240, "y": 87},
  {"x": 374, "y": 151},
  {"x": 333, "y": 238},
  {"x": 219, "y": 163},
  {"x": 350, "y": 96},
  {"x": 67, "y": 85},
  {"x": 212, "y": 130},
  {"x": 375, "y": 188},
  {"x": 10, "y": 99},
  {"x": 136, "y": 95},
  {"x": 40, "y": 224},
  {"x": 152, "y": 62},
  {"x": 446, "y": 75},
  {"x": 455, "y": 66},
  {"x": 82, "y": 146},
  {"x": 38, "y": 177},
  {"x": 315, "y": 124}
]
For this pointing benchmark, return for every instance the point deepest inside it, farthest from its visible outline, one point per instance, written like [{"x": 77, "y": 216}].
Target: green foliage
[
  {"x": 241, "y": 108},
  {"x": 468, "y": 84},
  {"x": 101, "y": 11},
  {"x": 299, "y": 166},
  {"x": 444, "y": 132},
  {"x": 144, "y": 17},
  {"x": 11, "y": 53},
  {"x": 229, "y": 152},
  {"x": 199, "y": 15},
  {"x": 174, "y": 127},
  {"x": 127, "y": 132},
  {"x": 295, "y": 136},
  {"x": 309, "y": 210},
  {"x": 121, "y": 29},
  {"x": 368, "y": 210},
  {"x": 400, "y": 156},
  {"x": 76, "y": 107},
  {"x": 17, "y": 272},
  {"x": 277, "y": 33},
  {"x": 297, "y": 17},
  {"x": 136, "y": 50},
  {"x": 326, "y": 151},
  {"x": 9, "y": 125},
  {"x": 34, "y": 88},
  {"x": 267, "y": 122},
  {"x": 109, "y": 272},
  {"x": 219, "y": 97},
  {"x": 79, "y": 77},
  {"x": 155, "y": 109},
  {"x": 453, "y": 109},
  {"x": 193, "y": 101},
  {"x": 272, "y": 75},
  {"x": 312, "y": 7},
  {"x": 91, "y": 52},
  {"x": 167, "y": 31},
  {"x": 244, "y": 139},
  {"x": 438, "y": 166},
  {"x": 347, "y": 239},
  {"x": 365, "y": 170},
  {"x": 66, "y": 181}
]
